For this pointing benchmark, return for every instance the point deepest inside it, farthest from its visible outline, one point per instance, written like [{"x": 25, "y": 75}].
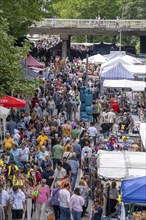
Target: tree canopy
[
  {"x": 133, "y": 9},
  {"x": 87, "y": 8},
  {"x": 11, "y": 72},
  {"x": 127, "y": 9},
  {"x": 23, "y": 13}
]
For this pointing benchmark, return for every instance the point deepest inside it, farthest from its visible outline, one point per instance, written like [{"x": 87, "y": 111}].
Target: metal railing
[{"x": 92, "y": 23}]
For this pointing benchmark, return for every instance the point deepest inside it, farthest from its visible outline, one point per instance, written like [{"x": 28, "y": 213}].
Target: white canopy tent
[
  {"x": 137, "y": 70},
  {"x": 4, "y": 112},
  {"x": 134, "y": 85},
  {"x": 114, "y": 54},
  {"x": 126, "y": 60},
  {"x": 142, "y": 132},
  {"x": 96, "y": 59},
  {"x": 131, "y": 60},
  {"x": 119, "y": 165}
]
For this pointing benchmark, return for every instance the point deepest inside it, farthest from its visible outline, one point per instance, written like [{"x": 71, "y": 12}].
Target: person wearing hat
[{"x": 97, "y": 210}]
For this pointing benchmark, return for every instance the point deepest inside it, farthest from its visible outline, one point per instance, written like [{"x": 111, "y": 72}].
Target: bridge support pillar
[
  {"x": 143, "y": 44},
  {"x": 65, "y": 45}
]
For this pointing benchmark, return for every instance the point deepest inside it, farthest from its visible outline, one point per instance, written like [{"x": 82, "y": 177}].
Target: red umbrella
[{"x": 11, "y": 102}]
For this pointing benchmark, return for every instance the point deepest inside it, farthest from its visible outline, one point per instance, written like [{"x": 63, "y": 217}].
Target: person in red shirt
[
  {"x": 34, "y": 101},
  {"x": 115, "y": 106}
]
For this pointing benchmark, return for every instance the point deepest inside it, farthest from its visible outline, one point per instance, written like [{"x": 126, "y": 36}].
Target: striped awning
[{"x": 117, "y": 72}]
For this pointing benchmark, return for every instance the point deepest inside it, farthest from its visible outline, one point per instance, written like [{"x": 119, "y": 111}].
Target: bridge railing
[{"x": 92, "y": 23}]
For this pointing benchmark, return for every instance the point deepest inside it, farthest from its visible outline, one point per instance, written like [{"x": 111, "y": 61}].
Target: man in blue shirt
[
  {"x": 97, "y": 210},
  {"x": 48, "y": 174}
]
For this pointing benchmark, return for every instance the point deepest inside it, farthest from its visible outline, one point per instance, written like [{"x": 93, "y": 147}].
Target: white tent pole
[
  {"x": 122, "y": 217},
  {"x": 4, "y": 124}
]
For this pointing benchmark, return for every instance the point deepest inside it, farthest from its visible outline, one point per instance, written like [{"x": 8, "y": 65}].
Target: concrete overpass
[{"x": 68, "y": 27}]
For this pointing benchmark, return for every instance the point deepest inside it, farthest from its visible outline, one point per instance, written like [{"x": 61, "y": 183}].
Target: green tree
[
  {"x": 87, "y": 8},
  {"x": 11, "y": 72},
  {"x": 22, "y": 13},
  {"x": 133, "y": 9}
]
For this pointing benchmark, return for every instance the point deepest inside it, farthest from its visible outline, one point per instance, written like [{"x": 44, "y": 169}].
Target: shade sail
[
  {"x": 119, "y": 165},
  {"x": 117, "y": 72},
  {"x": 134, "y": 190},
  {"x": 32, "y": 62},
  {"x": 11, "y": 102}
]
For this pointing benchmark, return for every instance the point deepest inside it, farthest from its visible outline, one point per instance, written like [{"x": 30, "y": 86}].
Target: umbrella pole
[{"x": 1, "y": 132}]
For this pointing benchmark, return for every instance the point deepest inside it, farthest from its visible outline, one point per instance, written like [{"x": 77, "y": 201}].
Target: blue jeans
[
  {"x": 68, "y": 116},
  {"x": 50, "y": 111},
  {"x": 56, "y": 211},
  {"x": 76, "y": 214},
  {"x": 65, "y": 213},
  {"x": 73, "y": 180}
]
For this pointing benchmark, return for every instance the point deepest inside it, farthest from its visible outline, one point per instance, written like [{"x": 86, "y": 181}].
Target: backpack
[{"x": 38, "y": 176}]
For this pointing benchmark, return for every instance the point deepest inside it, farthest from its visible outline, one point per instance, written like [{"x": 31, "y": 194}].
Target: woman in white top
[{"x": 28, "y": 191}]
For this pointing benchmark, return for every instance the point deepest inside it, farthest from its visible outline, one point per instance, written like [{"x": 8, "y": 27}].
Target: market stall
[
  {"x": 134, "y": 195},
  {"x": 127, "y": 60},
  {"x": 119, "y": 165},
  {"x": 134, "y": 85},
  {"x": 96, "y": 59}
]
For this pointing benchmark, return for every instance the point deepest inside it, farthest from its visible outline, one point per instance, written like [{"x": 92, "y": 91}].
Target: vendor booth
[
  {"x": 134, "y": 190},
  {"x": 134, "y": 85},
  {"x": 119, "y": 165},
  {"x": 134, "y": 197},
  {"x": 32, "y": 62},
  {"x": 121, "y": 59},
  {"x": 118, "y": 72}
]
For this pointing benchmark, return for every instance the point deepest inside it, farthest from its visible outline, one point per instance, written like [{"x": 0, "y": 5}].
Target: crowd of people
[{"x": 48, "y": 159}]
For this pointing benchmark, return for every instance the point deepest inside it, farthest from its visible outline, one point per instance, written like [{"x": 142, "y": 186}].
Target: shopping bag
[
  {"x": 51, "y": 215},
  {"x": 36, "y": 192}
]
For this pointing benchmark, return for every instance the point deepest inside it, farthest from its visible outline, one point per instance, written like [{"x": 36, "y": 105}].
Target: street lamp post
[{"x": 120, "y": 39}]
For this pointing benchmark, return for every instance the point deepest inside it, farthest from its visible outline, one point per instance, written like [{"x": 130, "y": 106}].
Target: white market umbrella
[{"x": 4, "y": 112}]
